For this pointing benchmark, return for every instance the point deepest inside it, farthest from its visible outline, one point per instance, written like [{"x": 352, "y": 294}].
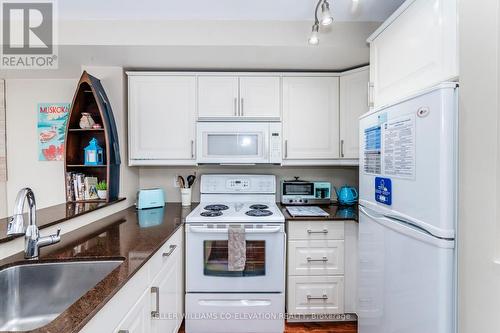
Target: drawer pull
[
  {"x": 169, "y": 253},
  {"x": 324, "y": 297},
  {"x": 123, "y": 331},
  {"x": 156, "y": 313},
  {"x": 324, "y": 259},
  {"x": 324, "y": 231}
]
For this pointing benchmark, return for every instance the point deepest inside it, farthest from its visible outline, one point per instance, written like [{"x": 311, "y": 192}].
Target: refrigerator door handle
[
  {"x": 412, "y": 225},
  {"x": 365, "y": 211},
  {"x": 405, "y": 228}
]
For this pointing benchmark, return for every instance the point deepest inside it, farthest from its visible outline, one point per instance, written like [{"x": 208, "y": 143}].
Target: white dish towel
[{"x": 237, "y": 248}]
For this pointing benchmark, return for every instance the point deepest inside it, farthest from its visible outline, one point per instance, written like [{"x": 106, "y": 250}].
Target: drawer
[
  {"x": 316, "y": 257},
  {"x": 315, "y": 230},
  {"x": 315, "y": 295},
  {"x": 174, "y": 244}
]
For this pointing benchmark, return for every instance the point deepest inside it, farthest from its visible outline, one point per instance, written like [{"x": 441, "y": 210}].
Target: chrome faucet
[{"x": 32, "y": 240}]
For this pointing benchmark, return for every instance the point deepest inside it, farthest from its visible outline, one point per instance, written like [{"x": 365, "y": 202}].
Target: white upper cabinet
[
  {"x": 218, "y": 97},
  {"x": 260, "y": 97},
  {"x": 162, "y": 116},
  {"x": 239, "y": 97},
  {"x": 353, "y": 103},
  {"x": 310, "y": 118},
  {"x": 416, "y": 48}
]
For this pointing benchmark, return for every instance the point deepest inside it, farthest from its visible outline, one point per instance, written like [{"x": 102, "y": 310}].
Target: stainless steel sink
[{"x": 33, "y": 295}]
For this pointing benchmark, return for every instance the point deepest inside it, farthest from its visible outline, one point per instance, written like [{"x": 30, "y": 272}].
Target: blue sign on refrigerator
[{"x": 383, "y": 190}]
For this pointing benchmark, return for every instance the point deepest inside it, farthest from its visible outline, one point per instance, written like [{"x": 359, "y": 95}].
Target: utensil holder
[{"x": 186, "y": 196}]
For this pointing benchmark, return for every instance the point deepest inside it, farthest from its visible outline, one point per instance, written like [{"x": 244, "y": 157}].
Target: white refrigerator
[{"x": 408, "y": 214}]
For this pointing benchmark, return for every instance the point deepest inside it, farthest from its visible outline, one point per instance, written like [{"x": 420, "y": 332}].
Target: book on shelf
[{"x": 80, "y": 187}]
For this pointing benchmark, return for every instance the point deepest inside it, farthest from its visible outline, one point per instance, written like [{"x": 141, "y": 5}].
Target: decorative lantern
[{"x": 94, "y": 154}]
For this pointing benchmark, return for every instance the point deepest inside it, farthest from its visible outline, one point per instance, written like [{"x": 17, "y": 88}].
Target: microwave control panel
[{"x": 275, "y": 143}]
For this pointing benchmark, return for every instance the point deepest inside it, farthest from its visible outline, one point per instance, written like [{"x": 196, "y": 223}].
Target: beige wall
[
  {"x": 479, "y": 197},
  {"x": 165, "y": 177},
  {"x": 23, "y": 167}
]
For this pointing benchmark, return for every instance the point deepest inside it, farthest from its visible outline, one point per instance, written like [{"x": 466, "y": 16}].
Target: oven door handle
[
  {"x": 263, "y": 230},
  {"x": 234, "y": 302}
]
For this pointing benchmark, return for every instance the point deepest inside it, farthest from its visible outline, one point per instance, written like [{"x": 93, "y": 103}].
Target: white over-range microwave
[{"x": 239, "y": 143}]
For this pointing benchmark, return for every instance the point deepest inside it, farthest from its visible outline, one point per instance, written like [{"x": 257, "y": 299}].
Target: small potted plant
[{"x": 102, "y": 190}]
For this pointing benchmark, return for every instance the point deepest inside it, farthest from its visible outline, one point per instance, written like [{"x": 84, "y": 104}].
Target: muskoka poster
[{"x": 52, "y": 118}]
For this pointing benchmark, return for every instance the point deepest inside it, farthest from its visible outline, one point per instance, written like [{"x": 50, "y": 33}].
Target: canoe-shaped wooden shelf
[{"x": 91, "y": 98}]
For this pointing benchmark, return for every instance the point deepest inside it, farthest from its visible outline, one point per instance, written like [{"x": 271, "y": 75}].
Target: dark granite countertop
[
  {"x": 118, "y": 236},
  {"x": 49, "y": 216},
  {"x": 337, "y": 213}
]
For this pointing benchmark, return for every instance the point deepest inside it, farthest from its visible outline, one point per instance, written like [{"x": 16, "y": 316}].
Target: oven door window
[{"x": 216, "y": 263}]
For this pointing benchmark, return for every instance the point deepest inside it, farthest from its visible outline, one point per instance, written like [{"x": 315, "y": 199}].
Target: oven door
[
  {"x": 207, "y": 259},
  {"x": 233, "y": 143}
]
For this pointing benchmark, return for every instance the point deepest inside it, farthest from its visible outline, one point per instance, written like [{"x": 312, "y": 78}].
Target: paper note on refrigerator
[
  {"x": 399, "y": 147},
  {"x": 372, "y": 152}
]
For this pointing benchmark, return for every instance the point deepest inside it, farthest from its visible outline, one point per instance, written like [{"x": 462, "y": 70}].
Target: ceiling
[{"x": 281, "y": 10}]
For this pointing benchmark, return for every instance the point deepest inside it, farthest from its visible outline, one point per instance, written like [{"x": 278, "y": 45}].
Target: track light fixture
[
  {"x": 325, "y": 18},
  {"x": 314, "y": 38}
]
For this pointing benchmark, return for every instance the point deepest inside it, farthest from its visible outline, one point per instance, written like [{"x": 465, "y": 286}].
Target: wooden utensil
[{"x": 181, "y": 182}]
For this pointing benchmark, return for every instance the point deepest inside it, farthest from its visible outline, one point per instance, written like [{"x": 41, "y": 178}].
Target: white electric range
[{"x": 220, "y": 300}]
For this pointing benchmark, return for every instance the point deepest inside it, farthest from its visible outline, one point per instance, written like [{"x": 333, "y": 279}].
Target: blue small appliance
[
  {"x": 347, "y": 195},
  {"x": 150, "y": 198}
]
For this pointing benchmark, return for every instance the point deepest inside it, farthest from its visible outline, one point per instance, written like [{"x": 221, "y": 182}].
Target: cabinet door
[
  {"x": 319, "y": 257},
  {"x": 353, "y": 103},
  {"x": 417, "y": 50},
  {"x": 168, "y": 293},
  {"x": 162, "y": 116},
  {"x": 315, "y": 295},
  {"x": 311, "y": 117},
  {"x": 218, "y": 96},
  {"x": 138, "y": 319},
  {"x": 260, "y": 97}
]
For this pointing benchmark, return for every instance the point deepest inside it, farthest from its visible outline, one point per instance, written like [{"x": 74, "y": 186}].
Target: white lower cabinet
[
  {"x": 323, "y": 257},
  {"x": 152, "y": 301},
  {"x": 317, "y": 269},
  {"x": 138, "y": 320},
  {"x": 165, "y": 290},
  {"x": 309, "y": 295}
]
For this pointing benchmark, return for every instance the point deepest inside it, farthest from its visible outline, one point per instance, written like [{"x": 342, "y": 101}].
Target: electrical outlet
[{"x": 176, "y": 184}]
